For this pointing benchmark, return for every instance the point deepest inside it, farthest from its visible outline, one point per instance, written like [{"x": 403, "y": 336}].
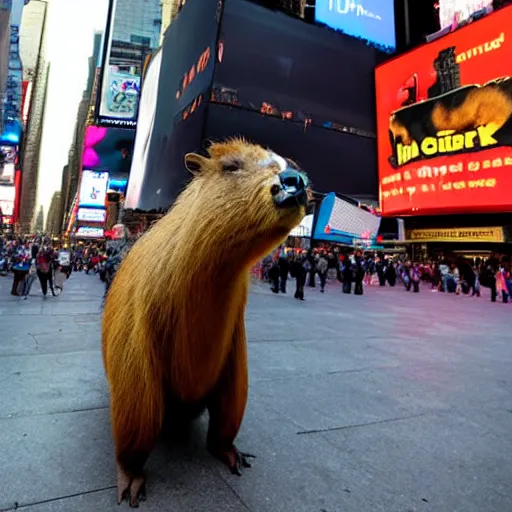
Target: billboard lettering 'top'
[
  {"x": 350, "y": 6},
  {"x": 373, "y": 20}
]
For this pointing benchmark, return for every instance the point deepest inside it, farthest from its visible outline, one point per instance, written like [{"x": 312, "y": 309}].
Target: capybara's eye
[{"x": 232, "y": 166}]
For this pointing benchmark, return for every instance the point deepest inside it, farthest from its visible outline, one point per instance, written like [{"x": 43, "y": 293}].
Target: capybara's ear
[{"x": 194, "y": 162}]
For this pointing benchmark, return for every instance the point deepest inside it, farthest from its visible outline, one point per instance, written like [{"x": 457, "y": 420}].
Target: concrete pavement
[{"x": 391, "y": 402}]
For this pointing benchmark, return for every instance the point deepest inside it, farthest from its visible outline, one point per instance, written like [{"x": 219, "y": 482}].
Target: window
[{"x": 144, "y": 41}]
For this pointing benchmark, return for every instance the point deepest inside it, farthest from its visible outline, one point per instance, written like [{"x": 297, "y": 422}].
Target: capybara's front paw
[
  {"x": 233, "y": 458},
  {"x": 130, "y": 488}
]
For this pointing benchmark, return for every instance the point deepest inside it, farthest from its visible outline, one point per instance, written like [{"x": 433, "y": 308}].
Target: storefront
[{"x": 469, "y": 242}]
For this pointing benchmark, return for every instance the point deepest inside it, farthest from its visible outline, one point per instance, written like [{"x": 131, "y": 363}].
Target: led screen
[
  {"x": 342, "y": 222},
  {"x": 373, "y": 20},
  {"x": 453, "y": 12},
  {"x": 286, "y": 84},
  {"x": 7, "y": 164},
  {"x": 133, "y": 33},
  {"x": 444, "y": 123},
  {"x": 172, "y": 113},
  {"x": 7, "y": 197},
  {"x": 93, "y": 189},
  {"x": 109, "y": 149},
  {"x": 91, "y": 215},
  {"x": 89, "y": 232}
]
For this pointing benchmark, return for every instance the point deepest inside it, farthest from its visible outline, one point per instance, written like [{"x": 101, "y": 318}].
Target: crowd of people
[
  {"x": 37, "y": 258},
  {"x": 356, "y": 270},
  {"x": 52, "y": 262}
]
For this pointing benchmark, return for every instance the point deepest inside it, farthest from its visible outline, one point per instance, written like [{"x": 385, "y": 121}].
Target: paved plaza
[{"x": 390, "y": 402}]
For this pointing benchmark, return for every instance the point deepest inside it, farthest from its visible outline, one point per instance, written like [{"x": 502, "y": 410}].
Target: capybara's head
[{"x": 247, "y": 197}]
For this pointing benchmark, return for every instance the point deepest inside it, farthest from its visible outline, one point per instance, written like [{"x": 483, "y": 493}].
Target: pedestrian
[
  {"x": 20, "y": 269},
  {"x": 322, "y": 266},
  {"x": 44, "y": 270},
  {"x": 29, "y": 280},
  {"x": 299, "y": 270}
]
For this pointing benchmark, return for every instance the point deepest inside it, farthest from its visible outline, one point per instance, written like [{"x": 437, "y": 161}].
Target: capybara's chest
[{"x": 199, "y": 353}]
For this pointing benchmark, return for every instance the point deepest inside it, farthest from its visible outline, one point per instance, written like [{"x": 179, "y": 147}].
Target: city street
[{"x": 390, "y": 402}]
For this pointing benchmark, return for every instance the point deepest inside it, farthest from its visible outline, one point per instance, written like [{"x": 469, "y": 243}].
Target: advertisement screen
[
  {"x": 108, "y": 149},
  {"x": 93, "y": 189},
  {"x": 8, "y": 156},
  {"x": 7, "y": 196},
  {"x": 89, "y": 232},
  {"x": 373, "y": 20},
  {"x": 444, "y": 123},
  {"x": 91, "y": 215},
  {"x": 453, "y": 12},
  {"x": 285, "y": 84},
  {"x": 342, "y": 222},
  {"x": 133, "y": 34},
  {"x": 172, "y": 113}
]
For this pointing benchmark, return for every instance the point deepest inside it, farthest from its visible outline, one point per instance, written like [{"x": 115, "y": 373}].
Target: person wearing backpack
[{"x": 44, "y": 270}]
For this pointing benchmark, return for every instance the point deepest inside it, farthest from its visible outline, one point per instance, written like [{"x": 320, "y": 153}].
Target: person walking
[
  {"x": 44, "y": 270},
  {"x": 322, "y": 266}
]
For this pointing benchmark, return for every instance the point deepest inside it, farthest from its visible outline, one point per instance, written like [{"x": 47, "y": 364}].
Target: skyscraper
[
  {"x": 137, "y": 22},
  {"x": 5, "y": 36},
  {"x": 35, "y": 70}
]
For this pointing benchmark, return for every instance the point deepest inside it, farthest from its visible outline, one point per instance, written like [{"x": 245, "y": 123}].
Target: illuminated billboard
[
  {"x": 93, "y": 189},
  {"x": 453, "y": 12},
  {"x": 373, "y": 20},
  {"x": 8, "y": 156},
  {"x": 89, "y": 232},
  {"x": 7, "y": 197},
  {"x": 91, "y": 215},
  {"x": 133, "y": 33},
  {"x": 444, "y": 123},
  {"x": 108, "y": 149},
  {"x": 342, "y": 222}
]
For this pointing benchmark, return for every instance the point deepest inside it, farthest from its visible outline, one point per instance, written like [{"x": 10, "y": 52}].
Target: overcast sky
[{"x": 70, "y": 30}]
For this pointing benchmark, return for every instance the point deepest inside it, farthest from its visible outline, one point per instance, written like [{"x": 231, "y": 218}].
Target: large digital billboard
[
  {"x": 373, "y": 20},
  {"x": 444, "y": 123},
  {"x": 453, "y": 12},
  {"x": 91, "y": 215},
  {"x": 8, "y": 158},
  {"x": 108, "y": 149},
  {"x": 133, "y": 33},
  {"x": 300, "y": 89},
  {"x": 7, "y": 197},
  {"x": 176, "y": 85},
  {"x": 93, "y": 189}
]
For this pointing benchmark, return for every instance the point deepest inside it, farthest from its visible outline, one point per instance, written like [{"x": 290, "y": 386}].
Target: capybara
[
  {"x": 464, "y": 109},
  {"x": 173, "y": 326},
  {"x": 489, "y": 106}
]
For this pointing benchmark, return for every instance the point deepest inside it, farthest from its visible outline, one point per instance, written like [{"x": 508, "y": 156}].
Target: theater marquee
[{"x": 493, "y": 234}]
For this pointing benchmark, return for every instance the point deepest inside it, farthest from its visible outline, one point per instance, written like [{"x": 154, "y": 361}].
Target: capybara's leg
[
  {"x": 226, "y": 406},
  {"x": 137, "y": 409}
]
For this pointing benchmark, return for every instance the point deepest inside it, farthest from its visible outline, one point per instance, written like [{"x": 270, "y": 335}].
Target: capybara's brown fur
[
  {"x": 484, "y": 106},
  {"x": 173, "y": 327}
]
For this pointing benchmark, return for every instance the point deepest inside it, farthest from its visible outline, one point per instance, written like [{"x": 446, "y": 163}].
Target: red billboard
[{"x": 444, "y": 123}]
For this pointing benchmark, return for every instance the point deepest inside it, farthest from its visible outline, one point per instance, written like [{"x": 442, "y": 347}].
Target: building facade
[{"x": 35, "y": 71}]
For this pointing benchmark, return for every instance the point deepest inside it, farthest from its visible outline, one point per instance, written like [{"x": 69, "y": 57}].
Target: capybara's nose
[{"x": 292, "y": 190}]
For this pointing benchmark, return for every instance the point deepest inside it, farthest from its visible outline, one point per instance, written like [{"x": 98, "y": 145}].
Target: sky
[{"x": 69, "y": 43}]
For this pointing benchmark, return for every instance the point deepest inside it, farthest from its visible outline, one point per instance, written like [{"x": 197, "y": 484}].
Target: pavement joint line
[
  {"x": 365, "y": 369},
  {"x": 53, "y": 413},
  {"x": 49, "y": 353},
  {"x": 35, "y": 339},
  {"x": 20, "y": 506},
  {"x": 359, "y": 425}
]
